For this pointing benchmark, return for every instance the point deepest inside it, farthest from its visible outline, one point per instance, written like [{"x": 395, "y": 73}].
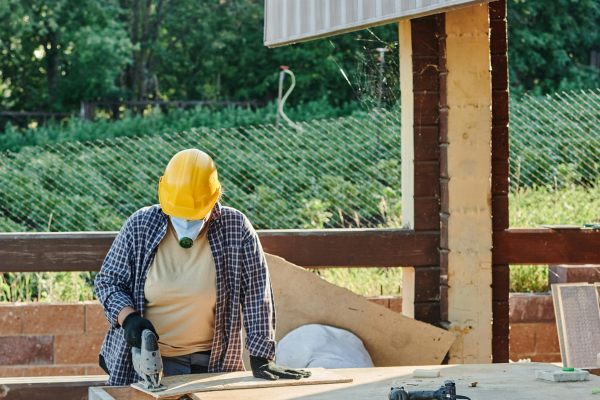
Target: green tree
[
  {"x": 550, "y": 42},
  {"x": 56, "y": 53}
]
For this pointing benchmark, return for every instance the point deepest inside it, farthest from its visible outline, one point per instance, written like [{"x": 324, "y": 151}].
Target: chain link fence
[
  {"x": 330, "y": 174},
  {"x": 555, "y": 141}
]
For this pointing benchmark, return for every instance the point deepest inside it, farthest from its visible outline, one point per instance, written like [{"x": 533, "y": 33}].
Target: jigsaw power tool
[
  {"x": 446, "y": 392},
  {"x": 148, "y": 363}
]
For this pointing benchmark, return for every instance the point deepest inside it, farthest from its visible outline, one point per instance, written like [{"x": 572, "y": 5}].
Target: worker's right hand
[{"x": 133, "y": 326}]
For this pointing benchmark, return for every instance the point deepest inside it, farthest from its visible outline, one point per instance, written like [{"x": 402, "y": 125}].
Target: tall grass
[{"x": 47, "y": 287}]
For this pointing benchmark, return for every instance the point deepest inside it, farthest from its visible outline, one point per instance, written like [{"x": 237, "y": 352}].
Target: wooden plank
[
  {"x": 425, "y": 74},
  {"x": 37, "y": 252},
  {"x": 424, "y": 40},
  {"x": 500, "y": 71},
  {"x": 353, "y": 247},
  {"x": 500, "y": 147},
  {"x": 500, "y": 220},
  {"x": 501, "y": 113},
  {"x": 427, "y": 213},
  {"x": 498, "y": 9},
  {"x": 407, "y": 130},
  {"x": 546, "y": 246},
  {"x": 179, "y": 385},
  {"x": 427, "y": 178},
  {"x": 427, "y": 146},
  {"x": 498, "y": 43},
  {"x": 85, "y": 251},
  {"x": 500, "y": 180},
  {"x": 390, "y": 338},
  {"x": 426, "y": 108}
]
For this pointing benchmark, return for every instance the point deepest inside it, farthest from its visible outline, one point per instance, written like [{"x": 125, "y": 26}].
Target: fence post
[{"x": 87, "y": 111}]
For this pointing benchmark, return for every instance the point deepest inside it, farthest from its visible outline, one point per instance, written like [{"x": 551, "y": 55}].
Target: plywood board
[
  {"x": 580, "y": 323},
  {"x": 179, "y": 385},
  {"x": 391, "y": 339}
]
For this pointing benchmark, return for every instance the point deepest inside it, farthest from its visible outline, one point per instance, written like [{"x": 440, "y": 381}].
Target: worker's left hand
[{"x": 265, "y": 369}]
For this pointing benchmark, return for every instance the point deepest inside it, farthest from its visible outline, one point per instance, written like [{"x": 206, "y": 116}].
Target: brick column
[{"x": 500, "y": 170}]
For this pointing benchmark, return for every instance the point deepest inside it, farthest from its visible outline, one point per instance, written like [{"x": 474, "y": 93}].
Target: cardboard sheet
[
  {"x": 391, "y": 339},
  {"x": 187, "y": 384}
]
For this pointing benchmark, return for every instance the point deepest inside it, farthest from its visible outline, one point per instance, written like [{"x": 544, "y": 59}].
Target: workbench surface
[{"x": 495, "y": 382}]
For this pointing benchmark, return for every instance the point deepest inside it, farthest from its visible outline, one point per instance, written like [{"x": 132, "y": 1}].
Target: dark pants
[{"x": 195, "y": 363}]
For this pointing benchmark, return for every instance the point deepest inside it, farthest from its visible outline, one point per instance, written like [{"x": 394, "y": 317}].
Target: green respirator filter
[{"x": 186, "y": 242}]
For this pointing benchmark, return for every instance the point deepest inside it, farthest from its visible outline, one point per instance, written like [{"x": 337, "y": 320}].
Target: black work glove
[
  {"x": 134, "y": 325},
  {"x": 265, "y": 369}
]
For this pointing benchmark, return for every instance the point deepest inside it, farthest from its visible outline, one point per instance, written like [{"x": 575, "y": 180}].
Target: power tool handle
[{"x": 424, "y": 395}]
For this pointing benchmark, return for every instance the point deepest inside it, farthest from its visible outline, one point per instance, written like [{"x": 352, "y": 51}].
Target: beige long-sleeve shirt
[{"x": 181, "y": 295}]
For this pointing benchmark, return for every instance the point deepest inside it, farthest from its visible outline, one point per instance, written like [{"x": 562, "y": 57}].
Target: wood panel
[
  {"x": 426, "y": 98},
  {"x": 353, "y": 247},
  {"x": 36, "y": 252},
  {"x": 546, "y": 246},
  {"x": 500, "y": 174}
]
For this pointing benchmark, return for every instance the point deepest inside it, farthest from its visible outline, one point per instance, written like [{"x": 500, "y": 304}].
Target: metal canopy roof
[{"x": 293, "y": 21}]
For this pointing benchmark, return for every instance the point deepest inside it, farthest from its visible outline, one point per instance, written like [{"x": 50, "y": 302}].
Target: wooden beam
[
  {"x": 353, "y": 247},
  {"x": 316, "y": 248},
  {"x": 546, "y": 246}
]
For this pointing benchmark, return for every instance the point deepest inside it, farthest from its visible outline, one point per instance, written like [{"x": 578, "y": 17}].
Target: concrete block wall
[
  {"x": 51, "y": 339},
  {"x": 533, "y": 333},
  {"x": 54, "y": 339}
]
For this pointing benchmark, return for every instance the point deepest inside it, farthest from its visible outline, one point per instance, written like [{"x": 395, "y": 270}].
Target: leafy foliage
[
  {"x": 550, "y": 43},
  {"x": 57, "y": 53}
]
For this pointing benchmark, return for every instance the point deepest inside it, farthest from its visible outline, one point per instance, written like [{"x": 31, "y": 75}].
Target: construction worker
[{"x": 184, "y": 269}]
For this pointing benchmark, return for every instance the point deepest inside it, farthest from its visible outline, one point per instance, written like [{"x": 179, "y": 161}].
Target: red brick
[
  {"x": 396, "y": 304},
  {"x": 94, "y": 370},
  {"x": 546, "y": 358},
  {"x": 378, "y": 300},
  {"x": 546, "y": 339},
  {"x": 531, "y": 308},
  {"x": 522, "y": 339},
  {"x": 53, "y": 318},
  {"x": 11, "y": 372},
  {"x": 26, "y": 350},
  {"x": 95, "y": 320},
  {"x": 78, "y": 349},
  {"x": 55, "y": 370},
  {"x": 10, "y": 319}
]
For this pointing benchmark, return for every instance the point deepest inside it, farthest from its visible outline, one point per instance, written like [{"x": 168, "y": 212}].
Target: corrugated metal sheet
[{"x": 292, "y": 21}]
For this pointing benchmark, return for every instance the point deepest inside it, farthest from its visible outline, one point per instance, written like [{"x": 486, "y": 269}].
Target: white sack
[{"x": 315, "y": 345}]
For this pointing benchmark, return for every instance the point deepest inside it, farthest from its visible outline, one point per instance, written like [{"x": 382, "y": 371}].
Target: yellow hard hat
[{"x": 190, "y": 186}]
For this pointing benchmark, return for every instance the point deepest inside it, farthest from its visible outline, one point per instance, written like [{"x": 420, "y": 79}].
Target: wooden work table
[{"x": 495, "y": 382}]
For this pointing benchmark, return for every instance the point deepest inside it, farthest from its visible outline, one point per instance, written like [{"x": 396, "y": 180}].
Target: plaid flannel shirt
[{"x": 242, "y": 280}]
